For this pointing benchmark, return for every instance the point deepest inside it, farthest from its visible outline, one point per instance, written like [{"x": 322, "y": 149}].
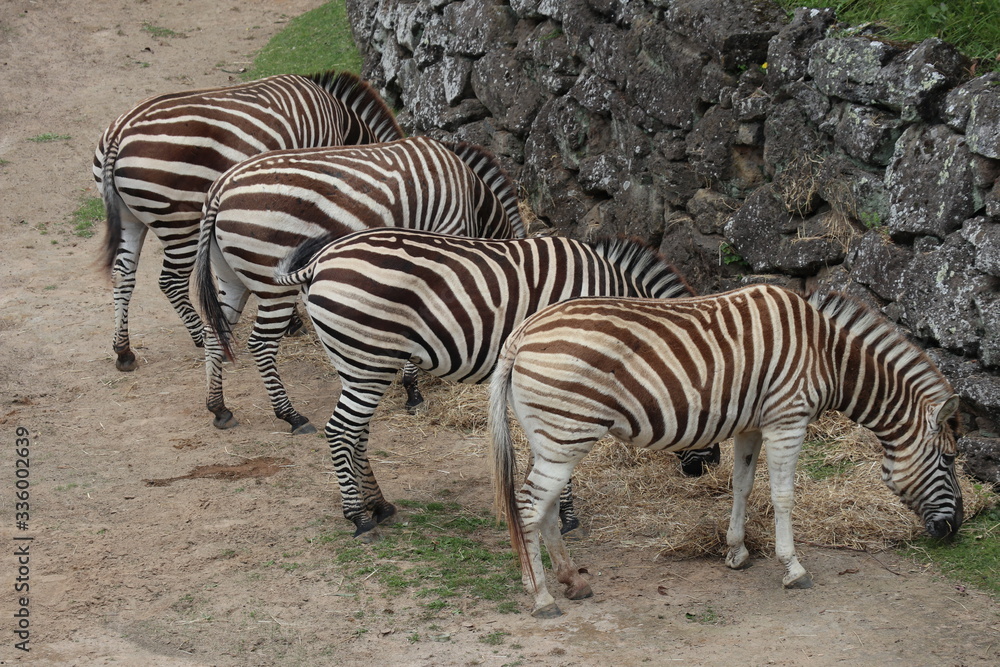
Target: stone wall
[{"x": 747, "y": 146}]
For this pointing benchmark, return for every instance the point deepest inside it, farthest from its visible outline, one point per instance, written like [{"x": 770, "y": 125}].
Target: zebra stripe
[
  {"x": 154, "y": 164},
  {"x": 265, "y": 207},
  {"x": 384, "y": 297},
  {"x": 758, "y": 364}
]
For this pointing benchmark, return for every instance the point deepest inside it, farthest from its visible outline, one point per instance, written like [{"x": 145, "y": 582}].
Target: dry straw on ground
[{"x": 641, "y": 498}]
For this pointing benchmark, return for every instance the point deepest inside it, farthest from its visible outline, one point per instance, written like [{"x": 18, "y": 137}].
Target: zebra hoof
[
  {"x": 304, "y": 429},
  {"x": 569, "y": 524},
  {"x": 224, "y": 420},
  {"x": 415, "y": 405},
  {"x": 126, "y": 362},
  {"x": 384, "y": 512},
  {"x": 803, "y": 581},
  {"x": 579, "y": 592},
  {"x": 368, "y": 535},
  {"x": 548, "y": 611}
]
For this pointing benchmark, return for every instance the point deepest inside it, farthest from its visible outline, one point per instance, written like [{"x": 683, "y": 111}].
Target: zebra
[
  {"x": 384, "y": 297},
  {"x": 260, "y": 210},
  {"x": 154, "y": 164},
  {"x": 757, "y": 363}
]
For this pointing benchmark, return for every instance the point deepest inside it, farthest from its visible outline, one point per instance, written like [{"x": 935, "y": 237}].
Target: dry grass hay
[{"x": 641, "y": 498}]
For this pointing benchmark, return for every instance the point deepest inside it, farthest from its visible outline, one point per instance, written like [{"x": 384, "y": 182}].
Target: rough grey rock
[
  {"x": 983, "y": 128},
  {"x": 868, "y": 134},
  {"x": 938, "y": 299},
  {"x": 847, "y": 162},
  {"x": 915, "y": 82},
  {"x": 879, "y": 264},
  {"x": 930, "y": 183},
  {"x": 957, "y": 104},
  {"x": 788, "y": 51},
  {"x": 772, "y": 240},
  {"x": 735, "y": 32},
  {"x": 850, "y": 68},
  {"x": 982, "y": 457}
]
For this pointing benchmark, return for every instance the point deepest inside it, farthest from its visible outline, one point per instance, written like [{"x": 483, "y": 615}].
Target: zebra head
[{"x": 920, "y": 469}]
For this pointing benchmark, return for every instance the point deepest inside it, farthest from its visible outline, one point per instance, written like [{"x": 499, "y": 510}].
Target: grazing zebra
[
  {"x": 758, "y": 363},
  {"x": 155, "y": 163},
  {"x": 264, "y": 208},
  {"x": 384, "y": 297}
]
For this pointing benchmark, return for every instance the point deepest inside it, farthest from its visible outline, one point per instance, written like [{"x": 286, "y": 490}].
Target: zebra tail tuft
[
  {"x": 503, "y": 456},
  {"x": 297, "y": 267},
  {"x": 208, "y": 293},
  {"x": 113, "y": 237}
]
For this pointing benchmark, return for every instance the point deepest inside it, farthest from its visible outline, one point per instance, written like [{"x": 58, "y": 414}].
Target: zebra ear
[{"x": 942, "y": 412}]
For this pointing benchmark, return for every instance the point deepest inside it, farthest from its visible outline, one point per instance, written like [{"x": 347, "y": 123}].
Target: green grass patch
[
  {"x": 819, "y": 460},
  {"x": 89, "y": 213},
  {"x": 974, "y": 558},
  {"x": 160, "y": 32},
  {"x": 49, "y": 137},
  {"x": 317, "y": 41},
  {"x": 437, "y": 552},
  {"x": 971, "y": 25}
]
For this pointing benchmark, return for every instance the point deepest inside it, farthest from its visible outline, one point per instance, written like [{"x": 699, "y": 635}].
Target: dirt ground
[{"x": 181, "y": 573}]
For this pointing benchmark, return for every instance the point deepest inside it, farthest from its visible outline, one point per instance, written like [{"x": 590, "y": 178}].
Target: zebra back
[
  {"x": 485, "y": 165},
  {"x": 371, "y": 119},
  {"x": 648, "y": 272}
]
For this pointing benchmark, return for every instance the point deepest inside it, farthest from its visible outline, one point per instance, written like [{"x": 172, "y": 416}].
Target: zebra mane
[
  {"x": 860, "y": 319},
  {"x": 637, "y": 258},
  {"x": 486, "y": 166},
  {"x": 364, "y": 101}
]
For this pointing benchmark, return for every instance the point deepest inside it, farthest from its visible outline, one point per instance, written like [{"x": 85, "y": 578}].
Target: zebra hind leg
[
  {"x": 123, "y": 271},
  {"x": 272, "y": 322},
  {"x": 175, "y": 283},
  {"x": 414, "y": 398},
  {"x": 381, "y": 509}
]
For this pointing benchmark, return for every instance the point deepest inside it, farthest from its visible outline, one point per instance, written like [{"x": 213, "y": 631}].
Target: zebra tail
[
  {"x": 298, "y": 266},
  {"x": 208, "y": 293},
  {"x": 503, "y": 456},
  {"x": 113, "y": 237}
]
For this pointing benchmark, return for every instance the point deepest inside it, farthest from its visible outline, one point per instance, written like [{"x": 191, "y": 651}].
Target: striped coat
[
  {"x": 154, "y": 164},
  {"x": 262, "y": 209},
  {"x": 384, "y": 297},
  {"x": 758, "y": 364}
]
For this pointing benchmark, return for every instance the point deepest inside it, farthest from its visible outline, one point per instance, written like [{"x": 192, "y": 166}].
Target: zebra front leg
[
  {"x": 413, "y": 396},
  {"x": 746, "y": 449},
  {"x": 175, "y": 283},
  {"x": 782, "y": 455},
  {"x": 123, "y": 271},
  {"x": 273, "y": 316}
]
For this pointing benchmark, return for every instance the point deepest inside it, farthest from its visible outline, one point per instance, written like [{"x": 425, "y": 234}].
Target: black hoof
[
  {"x": 303, "y": 428},
  {"x": 126, "y": 362},
  {"x": 568, "y": 524},
  {"x": 366, "y": 530},
  {"x": 224, "y": 420},
  {"x": 413, "y": 402},
  {"x": 383, "y": 512}
]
